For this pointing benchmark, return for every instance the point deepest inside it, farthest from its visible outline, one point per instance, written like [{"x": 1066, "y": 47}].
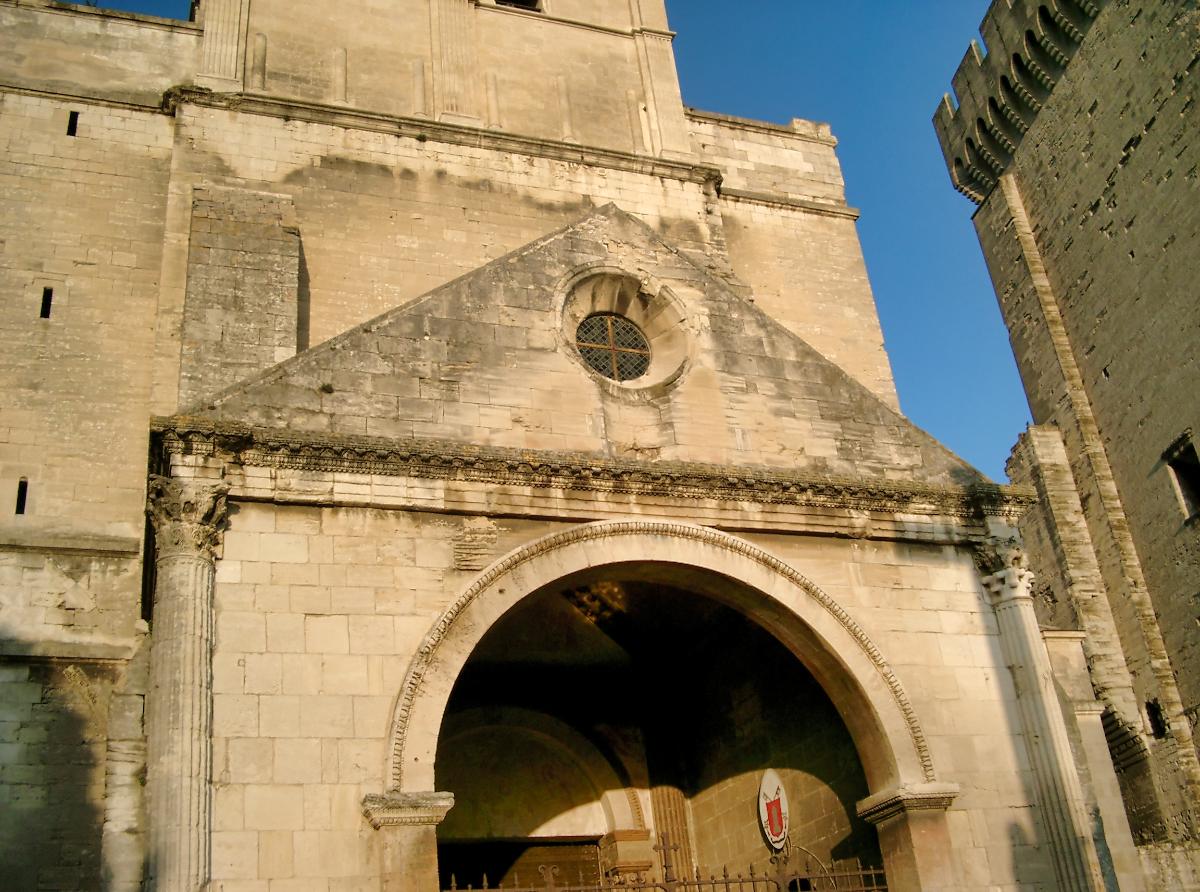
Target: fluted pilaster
[
  {"x": 1060, "y": 794},
  {"x": 188, "y": 520},
  {"x": 454, "y": 54}
]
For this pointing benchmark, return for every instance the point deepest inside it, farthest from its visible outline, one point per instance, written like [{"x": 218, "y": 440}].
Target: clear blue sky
[{"x": 875, "y": 70}]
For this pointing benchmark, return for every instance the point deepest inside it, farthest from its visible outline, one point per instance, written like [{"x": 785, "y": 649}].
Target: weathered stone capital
[
  {"x": 405, "y": 809},
  {"x": 1015, "y": 582},
  {"x": 919, "y": 797},
  {"x": 188, "y": 517},
  {"x": 1001, "y": 564}
]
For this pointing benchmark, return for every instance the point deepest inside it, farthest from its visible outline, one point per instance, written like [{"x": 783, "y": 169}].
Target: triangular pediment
[{"x": 490, "y": 359}]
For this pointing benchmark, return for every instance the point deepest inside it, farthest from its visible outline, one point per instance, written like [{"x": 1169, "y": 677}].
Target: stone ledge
[
  {"x": 133, "y": 18},
  {"x": 395, "y": 808},
  {"x": 491, "y": 6},
  {"x": 784, "y": 201},
  {"x": 426, "y": 129},
  {"x": 67, "y": 650},
  {"x": 43, "y": 539},
  {"x": 817, "y": 132},
  {"x": 919, "y": 797},
  {"x": 79, "y": 97}
]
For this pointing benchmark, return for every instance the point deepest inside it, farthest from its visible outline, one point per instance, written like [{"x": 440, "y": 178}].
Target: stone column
[
  {"x": 1059, "y": 792},
  {"x": 408, "y": 823},
  {"x": 188, "y": 519}
]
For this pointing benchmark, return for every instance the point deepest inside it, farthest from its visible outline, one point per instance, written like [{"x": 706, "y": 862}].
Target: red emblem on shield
[
  {"x": 773, "y": 809},
  {"x": 775, "y": 817}
]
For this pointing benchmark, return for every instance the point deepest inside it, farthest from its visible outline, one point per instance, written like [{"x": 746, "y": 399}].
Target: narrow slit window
[
  {"x": 1158, "y": 719},
  {"x": 22, "y": 495},
  {"x": 47, "y": 300},
  {"x": 1184, "y": 465},
  {"x": 531, "y": 5},
  {"x": 72, "y": 123}
]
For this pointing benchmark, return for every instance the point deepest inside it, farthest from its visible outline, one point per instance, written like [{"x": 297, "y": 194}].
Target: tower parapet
[{"x": 1001, "y": 89}]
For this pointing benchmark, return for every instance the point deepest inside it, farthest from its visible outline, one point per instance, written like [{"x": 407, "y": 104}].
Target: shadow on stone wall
[{"x": 53, "y": 729}]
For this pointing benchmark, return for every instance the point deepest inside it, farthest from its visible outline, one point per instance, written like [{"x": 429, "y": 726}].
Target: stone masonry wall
[
  {"x": 383, "y": 219},
  {"x": 244, "y": 307},
  {"x": 1107, "y": 175},
  {"x": 1117, "y": 230},
  {"x": 53, "y": 726},
  {"x": 83, "y": 216},
  {"x": 319, "y": 609},
  {"x": 791, "y": 236},
  {"x": 131, "y": 58}
]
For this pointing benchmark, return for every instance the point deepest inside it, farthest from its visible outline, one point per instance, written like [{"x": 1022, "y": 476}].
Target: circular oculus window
[
  {"x": 613, "y": 346},
  {"x": 631, "y": 333}
]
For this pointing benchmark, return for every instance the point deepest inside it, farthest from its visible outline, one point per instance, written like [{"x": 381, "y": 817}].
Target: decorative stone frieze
[
  {"x": 442, "y": 460},
  {"x": 395, "y": 808}
]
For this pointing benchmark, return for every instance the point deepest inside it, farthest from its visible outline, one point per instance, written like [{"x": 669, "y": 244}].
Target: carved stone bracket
[
  {"x": 923, "y": 797},
  {"x": 406, "y": 809},
  {"x": 188, "y": 517}
]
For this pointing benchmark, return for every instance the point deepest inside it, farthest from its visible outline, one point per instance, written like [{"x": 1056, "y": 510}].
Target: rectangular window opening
[
  {"x": 72, "y": 123},
  {"x": 531, "y": 5},
  {"x": 1184, "y": 464},
  {"x": 47, "y": 300},
  {"x": 22, "y": 494}
]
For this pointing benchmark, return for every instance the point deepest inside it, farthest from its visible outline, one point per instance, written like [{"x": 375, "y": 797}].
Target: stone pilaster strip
[
  {"x": 188, "y": 519},
  {"x": 223, "y": 46},
  {"x": 454, "y": 40}
]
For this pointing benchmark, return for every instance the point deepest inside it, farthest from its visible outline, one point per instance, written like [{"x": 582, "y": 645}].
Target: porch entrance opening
[{"x": 616, "y": 725}]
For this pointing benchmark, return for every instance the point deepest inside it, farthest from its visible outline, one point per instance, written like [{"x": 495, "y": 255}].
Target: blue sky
[{"x": 875, "y": 70}]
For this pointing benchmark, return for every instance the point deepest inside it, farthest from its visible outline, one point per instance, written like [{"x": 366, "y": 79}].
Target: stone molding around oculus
[{"x": 246, "y": 446}]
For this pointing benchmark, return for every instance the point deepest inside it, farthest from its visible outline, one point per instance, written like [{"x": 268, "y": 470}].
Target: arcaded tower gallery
[{"x": 430, "y": 451}]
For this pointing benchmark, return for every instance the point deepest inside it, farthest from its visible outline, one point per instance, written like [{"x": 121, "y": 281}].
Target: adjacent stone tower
[{"x": 1078, "y": 135}]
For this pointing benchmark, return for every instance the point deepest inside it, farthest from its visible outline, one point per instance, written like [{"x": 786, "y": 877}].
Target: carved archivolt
[{"x": 424, "y": 657}]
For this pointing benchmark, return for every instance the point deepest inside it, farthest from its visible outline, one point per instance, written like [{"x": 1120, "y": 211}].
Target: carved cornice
[
  {"x": 444, "y": 460},
  {"x": 925, "y": 797},
  {"x": 396, "y": 809},
  {"x": 599, "y": 532},
  {"x": 188, "y": 517}
]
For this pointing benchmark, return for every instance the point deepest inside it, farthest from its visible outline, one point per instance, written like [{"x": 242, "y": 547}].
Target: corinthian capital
[
  {"x": 188, "y": 517},
  {"x": 1001, "y": 563}
]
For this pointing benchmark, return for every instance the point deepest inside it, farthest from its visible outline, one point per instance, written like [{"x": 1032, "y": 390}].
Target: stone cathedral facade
[{"x": 428, "y": 450}]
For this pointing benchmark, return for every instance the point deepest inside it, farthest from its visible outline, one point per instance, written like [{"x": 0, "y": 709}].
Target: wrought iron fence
[{"x": 781, "y": 878}]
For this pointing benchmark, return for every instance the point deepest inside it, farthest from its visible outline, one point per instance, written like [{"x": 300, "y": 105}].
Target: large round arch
[{"x": 815, "y": 628}]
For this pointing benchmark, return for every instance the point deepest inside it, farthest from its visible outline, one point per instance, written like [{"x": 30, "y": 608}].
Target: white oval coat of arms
[{"x": 773, "y": 809}]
